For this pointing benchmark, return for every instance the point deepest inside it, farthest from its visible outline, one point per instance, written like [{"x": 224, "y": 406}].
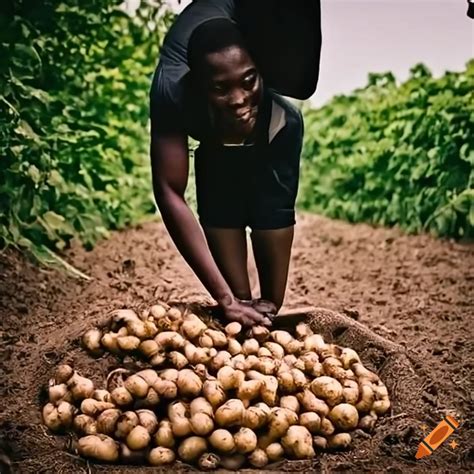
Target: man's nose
[{"x": 237, "y": 98}]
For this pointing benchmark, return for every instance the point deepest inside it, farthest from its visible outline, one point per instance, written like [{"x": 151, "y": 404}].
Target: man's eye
[
  {"x": 250, "y": 81},
  {"x": 218, "y": 88}
]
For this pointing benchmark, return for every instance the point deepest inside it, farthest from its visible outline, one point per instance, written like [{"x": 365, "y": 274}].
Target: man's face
[{"x": 233, "y": 88}]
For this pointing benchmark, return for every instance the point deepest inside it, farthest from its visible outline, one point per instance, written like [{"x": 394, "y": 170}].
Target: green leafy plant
[
  {"x": 74, "y": 84},
  {"x": 393, "y": 154}
]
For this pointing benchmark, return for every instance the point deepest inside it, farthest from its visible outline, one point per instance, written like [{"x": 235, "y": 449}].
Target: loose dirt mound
[{"x": 415, "y": 290}]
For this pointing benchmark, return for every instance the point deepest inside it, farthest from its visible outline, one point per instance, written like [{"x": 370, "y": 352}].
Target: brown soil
[{"x": 412, "y": 297}]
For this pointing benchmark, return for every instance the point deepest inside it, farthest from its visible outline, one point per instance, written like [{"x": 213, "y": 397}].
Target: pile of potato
[{"x": 214, "y": 396}]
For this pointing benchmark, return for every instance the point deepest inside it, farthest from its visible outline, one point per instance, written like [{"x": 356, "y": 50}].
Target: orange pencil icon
[{"x": 440, "y": 434}]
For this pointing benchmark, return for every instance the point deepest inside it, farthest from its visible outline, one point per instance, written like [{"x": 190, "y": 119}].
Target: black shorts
[{"x": 251, "y": 185}]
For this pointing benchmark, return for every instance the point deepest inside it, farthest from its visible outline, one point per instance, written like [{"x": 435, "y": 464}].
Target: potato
[
  {"x": 148, "y": 420},
  {"x": 320, "y": 443},
  {"x": 66, "y": 412},
  {"x": 251, "y": 362},
  {"x": 219, "y": 339},
  {"x": 51, "y": 417},
  {"x": 214, "y": 393},
  {"x": 178, "y": 360},
  {"x": 231, "y": 413},
  {"x": 174, "y": 314},
  {"x": 128, "y": 343},
  {"x": 209, "y": 461},
  {"x": 299, "y": 378},
  {"x": 234, "y": 347},
  {"x": 333, "y": 368},
  {"x": 158, "y": 311},
  {"x": 294, "y": 362},
  {"x": 197, "y": 355},
  {"x": 314, "y": 343},
  {"x": 150, "y": 401},
  {"x": 249, "y": 389},
  {"x": 326, "y": 428},
  {"x": 189, "y": 384},
  {"x": 63, "y": 373},
  {"x": 222, "y": 440},
  {"x": 142, "y": 329},
  {"x": 205, "y": 340},
  {"x": 349, "y": 357},
  {"x": 180, "y": 424},
  {"x": 232, "y": 329},
  {"x": 91, "y": 341},
  {"x": 350, "y": 391},
  {"x": 245, "y": 440},
  {"x": 164, "y": 435},
  {"x": 121, "y": 396},
  {"x": 269, "y": 390},
  {"x": 201, "y": 424},
  {"x": 286, "y": 382},
  {"x": 276, "y": 350},
  {"x": 58, "y": 392},
  {"x": 258, "y": 458},
  {"x": 290, "y": 402},
  {"x": 303, "y": 331},
  {"x": 102, "y": 396},
  {"x": 279, "y": 420},
  {"x": 366, "y": 399},
  {"x": 138, "y": 438},
  {"x": 99, "y": 447},
  {"x": 85, "y": 425},
  {"x": 192, "y": 326},
  {"x": 109, "y": 342},
  {"x": 267, "y": 365},
  {"x": 170, "y": 340},
  {"x": 107, "y": 421},
  {"x": 92, "y": 407},
  {"x": 311, "y": 421},
  {"x": 298, "y": 442},
  {"x": 125, "y": 424},
  {"x": 309, "y": 402},
  {"x": 160, "y": 456},
  {"x": 124, "y": 316},
  {"x": 192, "y": 448},
  {"x": 381, "y": 406},
  {"x": 274, "y": 452},
  {"x": 339, "y": 441},
  {"x": 201, "y": 405},
  {"x": 168, "y": 374},
  {"x": 166, "y": 389},
  {"x": 261, "y": 333},
  {"x": 367, "y": 423},
  {"x": 264, "y": 352},
  {"x": 256, "y": 417},
  {"x": 238, "y": 362},
  {"x": 149, "y": 348},
  {"x": 287, "y": 341},
  {"x": 222, "y": 358},
  {"x": 361, "y": 372},
  {"x": 250, "y": 347},
  {"x": 80, "y": 387},
  {"x": 226, "y": 377},
  {"x": 327, "y": 388}
]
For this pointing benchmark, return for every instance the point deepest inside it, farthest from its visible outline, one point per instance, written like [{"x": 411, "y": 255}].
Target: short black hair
[{"x": 211, "y": 36}]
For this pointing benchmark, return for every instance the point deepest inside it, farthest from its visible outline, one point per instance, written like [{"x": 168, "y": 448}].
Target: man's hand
[
  {"x": 244, "y": 313},
  {"x": 265, "y": 307}
]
